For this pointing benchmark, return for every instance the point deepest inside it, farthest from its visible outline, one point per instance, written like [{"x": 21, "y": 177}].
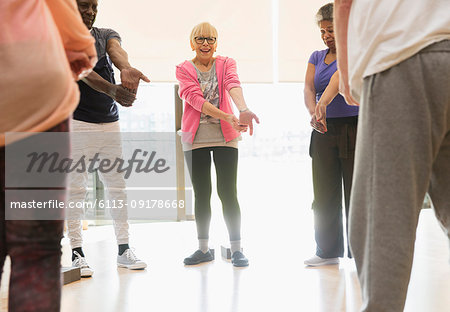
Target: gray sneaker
[
  {"x": 129, "y": 260},
  {"x": 318, "y": 261},
  {"x": 238, "y": 259},
  {"x": 80, "y": 262},
  {"x": 199, "y": 257}
]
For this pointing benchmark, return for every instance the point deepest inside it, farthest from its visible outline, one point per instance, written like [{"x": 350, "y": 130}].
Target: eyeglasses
[{"x": 209, "y": 40}]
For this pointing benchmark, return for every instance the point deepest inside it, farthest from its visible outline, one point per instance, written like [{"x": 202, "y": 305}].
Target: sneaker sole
[
  {"x": 132, "y": 267},
  {"x": 241, "y": 265},
  {"x": 86, "y": 274},
  {"x": 197, "y": 262},
  {"x": 322, "y": 263}
]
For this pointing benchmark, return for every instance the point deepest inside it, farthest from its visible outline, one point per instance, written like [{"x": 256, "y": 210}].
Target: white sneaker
[
  {"x": 318, "y": 261},
  {"x": 129, "y": 260},
  {"x": 80, "y": 262}
]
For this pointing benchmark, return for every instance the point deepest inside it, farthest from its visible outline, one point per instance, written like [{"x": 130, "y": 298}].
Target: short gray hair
[{"x": 325, "y": 13}]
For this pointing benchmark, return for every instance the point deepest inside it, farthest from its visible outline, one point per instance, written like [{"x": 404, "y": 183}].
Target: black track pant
[{"x": 332, "y": 163}]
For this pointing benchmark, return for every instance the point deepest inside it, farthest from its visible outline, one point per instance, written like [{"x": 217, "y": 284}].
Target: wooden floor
[
  {"x": 267, "y": 285},
  {"x": 277, "y": 236}
]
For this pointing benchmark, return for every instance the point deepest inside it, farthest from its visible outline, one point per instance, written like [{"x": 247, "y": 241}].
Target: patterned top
[{"x": 210, "y": 88}]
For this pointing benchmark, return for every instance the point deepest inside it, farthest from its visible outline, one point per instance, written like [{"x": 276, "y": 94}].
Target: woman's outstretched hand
[
  {"x": 246, "y": 118},
  {"x": 234, "y": 122}
]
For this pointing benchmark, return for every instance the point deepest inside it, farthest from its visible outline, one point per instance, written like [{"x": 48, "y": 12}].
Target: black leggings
[{"x": 199, "y": 165}]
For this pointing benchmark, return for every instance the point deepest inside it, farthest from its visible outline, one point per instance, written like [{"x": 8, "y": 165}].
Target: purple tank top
[{"x": 338, "y": 107}]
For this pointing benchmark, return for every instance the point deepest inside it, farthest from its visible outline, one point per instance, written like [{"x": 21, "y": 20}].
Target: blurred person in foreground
[
  {"x": 397, "y": 66},
  {"x": 44, "y": 47}
]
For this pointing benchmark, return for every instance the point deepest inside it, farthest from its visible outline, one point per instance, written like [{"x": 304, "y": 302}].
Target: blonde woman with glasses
[{"x": 210, "y": 127}]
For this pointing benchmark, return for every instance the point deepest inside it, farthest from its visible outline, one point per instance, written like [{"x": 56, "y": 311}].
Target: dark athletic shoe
[
  {"x": 238, "y": 259},
  {"x": 199, "y": 257}
]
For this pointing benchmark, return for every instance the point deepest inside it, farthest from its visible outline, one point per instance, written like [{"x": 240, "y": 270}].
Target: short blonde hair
[{"x": 203, "y": 29}]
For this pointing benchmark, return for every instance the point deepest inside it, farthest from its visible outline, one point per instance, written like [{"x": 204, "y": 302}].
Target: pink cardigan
[{"x": 192, "y": 95}]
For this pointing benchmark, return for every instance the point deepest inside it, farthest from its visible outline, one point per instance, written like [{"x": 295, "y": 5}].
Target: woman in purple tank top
[{"x": 332, "y": 148}]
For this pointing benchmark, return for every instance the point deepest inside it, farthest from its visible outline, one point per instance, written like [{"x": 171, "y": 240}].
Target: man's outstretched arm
[
  {"x": 116, "y": 92},
  {"x": 129, "y": 76}
]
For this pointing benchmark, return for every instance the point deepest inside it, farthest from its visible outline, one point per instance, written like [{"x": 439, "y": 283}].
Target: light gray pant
[
  {"x": 109, "y": 147},
  {"x": 402, "y": 151}
]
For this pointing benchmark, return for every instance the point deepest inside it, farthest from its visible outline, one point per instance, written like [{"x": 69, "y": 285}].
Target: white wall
[{"x": 156, "y": 34}]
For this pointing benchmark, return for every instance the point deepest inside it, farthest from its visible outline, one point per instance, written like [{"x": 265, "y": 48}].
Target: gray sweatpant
[{"x": 402, "y": 151}]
